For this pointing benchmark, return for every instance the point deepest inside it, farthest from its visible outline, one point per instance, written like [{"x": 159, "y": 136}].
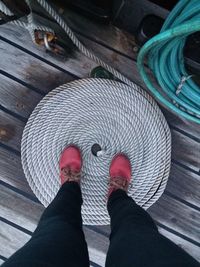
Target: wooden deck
[{"x": 27, "y": 73}]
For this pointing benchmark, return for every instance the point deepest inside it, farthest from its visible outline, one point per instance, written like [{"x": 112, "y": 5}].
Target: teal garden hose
[{"x": 165, "y": 58}]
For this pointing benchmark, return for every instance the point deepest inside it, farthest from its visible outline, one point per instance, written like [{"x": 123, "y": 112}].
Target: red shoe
[
  {"x": 70, "y": 164},
  {"x": 120, "y": 173}
]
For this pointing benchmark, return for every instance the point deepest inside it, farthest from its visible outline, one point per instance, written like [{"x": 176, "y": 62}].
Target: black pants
[{"x": 59, "y": 241}]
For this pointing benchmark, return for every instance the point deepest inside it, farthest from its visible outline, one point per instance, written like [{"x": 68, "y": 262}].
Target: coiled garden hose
[{"x": 165, "y": 58}]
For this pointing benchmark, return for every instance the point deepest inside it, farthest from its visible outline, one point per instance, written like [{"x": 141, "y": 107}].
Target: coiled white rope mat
[{"x": 104, "y": 112}]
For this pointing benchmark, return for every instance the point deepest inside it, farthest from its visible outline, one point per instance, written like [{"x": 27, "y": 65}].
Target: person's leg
[
  {"x": 59, "y": 239},
  {"x": 135, "y": 240}
]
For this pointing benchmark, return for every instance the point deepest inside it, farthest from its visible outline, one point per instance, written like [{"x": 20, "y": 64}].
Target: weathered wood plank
[
  {"x": 182, "y": 124},
  {"x": 31, "y": 70},
  {"x": 74, "y": 63},
  {"x": 177, "y": 216},
  {"x": 19, "y": 209},
  {"x": 185, "y": 150},
  {"x": 11, "y": 171},
  {"x": 105, "y": 34},
  {"x": 25, "y": 213},
  {"x": 97, "y": 246},
  {"x": 184, "y": 185},
  {"x": 10, "y": 130},
  {"x": 17, "y": 98},
  {"x": 11, "y": 239}
]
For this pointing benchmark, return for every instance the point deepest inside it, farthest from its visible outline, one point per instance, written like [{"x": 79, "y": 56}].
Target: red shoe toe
[
  {"x": 120, "y": 173},
  {"x": 121, "y": 167},
  {"x": 70, "y": 159}
]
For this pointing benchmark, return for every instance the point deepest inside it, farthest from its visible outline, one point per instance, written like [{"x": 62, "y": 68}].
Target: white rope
[
  {"x": 32, "y": 22},
  {"x": 110, "y": 114},
  {"x": 29, "y": 24},
  {"x": 4, "y": 9}
]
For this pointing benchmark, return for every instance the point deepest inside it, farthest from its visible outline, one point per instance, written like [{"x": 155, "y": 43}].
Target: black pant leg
[
  {"x": 59, "y": 239},
  {"x": 135, "y": 240}
]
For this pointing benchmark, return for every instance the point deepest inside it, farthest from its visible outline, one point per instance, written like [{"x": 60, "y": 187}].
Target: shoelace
[
  {"x": 71, "y": 176},
  {"x": 119, "y": 182}
]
